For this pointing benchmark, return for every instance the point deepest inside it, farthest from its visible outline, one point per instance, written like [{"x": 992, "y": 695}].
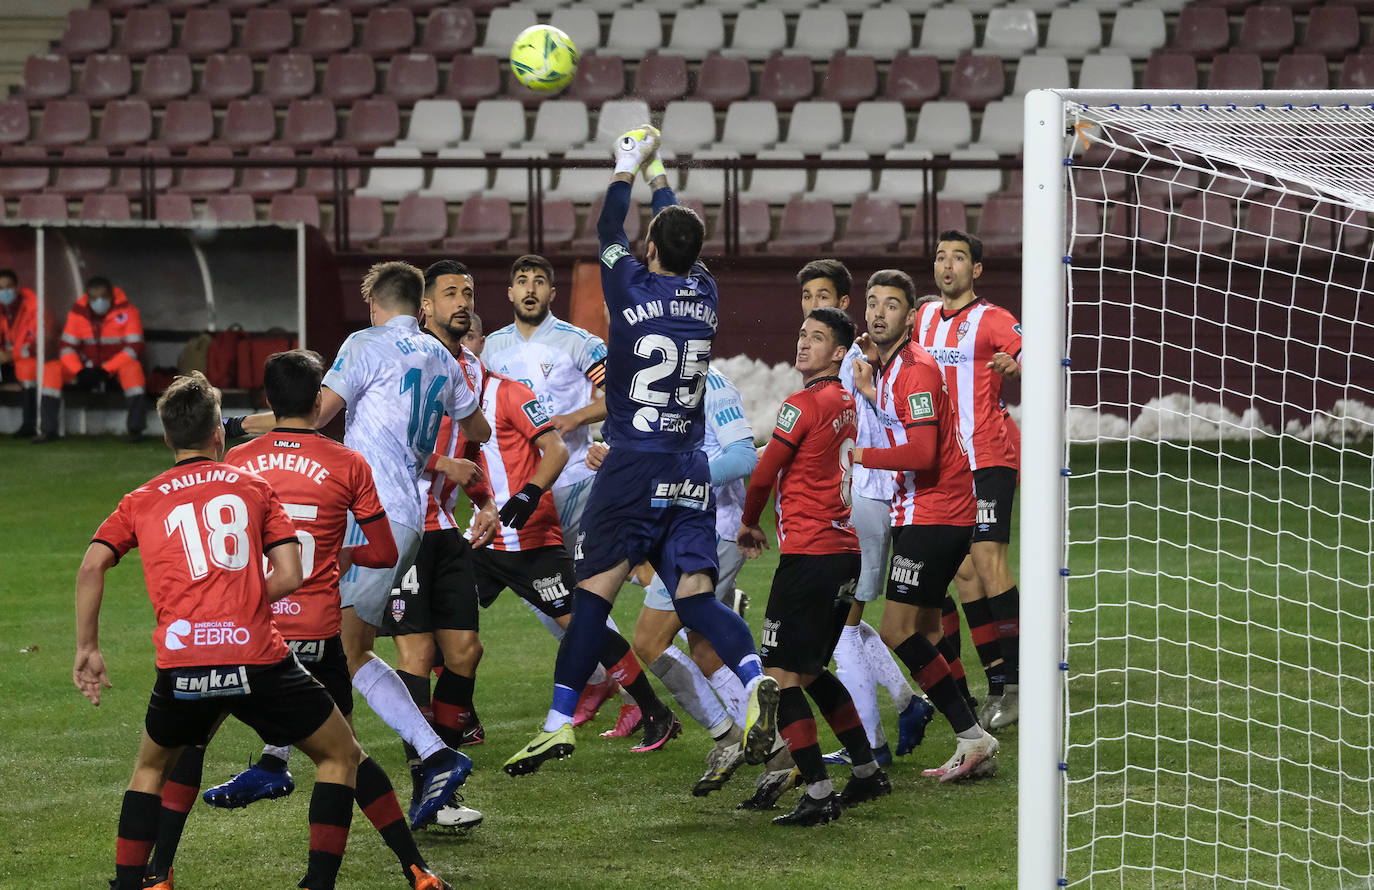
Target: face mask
[
  {"x": 6, "y": 296},
  {"x": 100, "y": 306}
]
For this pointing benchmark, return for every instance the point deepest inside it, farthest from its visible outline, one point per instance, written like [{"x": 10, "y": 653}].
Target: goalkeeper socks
[
  {"x": 798, "y": 729},
  {"x": 984, "y": 633},
  {"x": 621, "y": 663},
  {"x": 837, "y": 708},
  {"x": 377, "y": 799},
  {"x": 178, "y": 796},
  {"x": 851, "y": 666},
  {"x": 389, "y": 698},
  {"x": 1006, "y": 612},
  {"x": 583, "y": 641},
  {"x": 931, "y": 671},
  {"x": 724, "y": 630},
  {"x": 331, "y": 810},
  {"x": 452, "y": 706},
  {"x": 949, "y": 625},
  {"x": 883, "y": 667},
  {"x": 137, "y": 829},
  {"x": 684, "y": 680},
  {"x": 731, "y": 693}
]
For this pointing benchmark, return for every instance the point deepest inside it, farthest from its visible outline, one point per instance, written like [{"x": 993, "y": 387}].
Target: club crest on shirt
[
  {"x": 963, "y": 329},
  {"x": 547, "y": 368}
]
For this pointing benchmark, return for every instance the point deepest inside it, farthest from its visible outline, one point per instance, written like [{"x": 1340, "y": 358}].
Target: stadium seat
[
  {"x": 296, "y": 7},
  {"x": 394, "y": 183},
  {"x": 1333, "y": 31},
  {"x": 697, "y": 32},
  {"x": 288, "y": 76},
  {"x": 759, "y": 32},
  {"x": 968, "y": 185},
  {"x": 946, "y": 32},
  {"x": 43, "y": 208},
  {"x": 496, "y": 124},
  {"x": 821, "y": 32},
  {"x": 598, "y": 79},
  {"x": 1011, "y": 32},
  {"x": 266, "y": 31},
  {"x": 913, "y": 80},
  {"x": 1357, "y": 73},
  {"x": 1202, "y": 30},
  {"x": 694, "y": 120},
  {"x": 234, "y": 208},
  {"x": 1002, "y": 128},
  {"x": 502, "y": 27},
  {"x": 264, "y": 182},
  {"x": 587, "y": 241},
  {"x": 850, "y": 80},
  {"x": 899, "y": 184},
  {"x": 288, "y": 209},
  {"x": 450, "y": 29},
  {"x": 703, "y": 184},
  {"x": 145, "y": 31},
  {"x": 513, "y": 183},
  {"x": 434, "y": 124},
  {"x": 1267, "y": 31},
  {"x": 16, "y": 180},
  {"x": 459, "y": 183},
  {"x": 661, "y": 79},
  {"x": 419, "y": 223},
  {"x": 1302, "y": 71},
  {"x": 88, "y": 31},
  {"x": 126, "y": 122},
  {"x": 387, "y": 31},
  {"x": 977, "y": 80},
  {"x": 411, "y": 77},
  {"x": 120, "y": 6},
  {"x": 948, "y": 215},
  {"x": 776, "y": 186},
  {"x": 1168, "y": 70},
  {"x": 238, "y": 6},
  {"x": 359, "y": 5},
  {"x": 309, "y": 122},
  {"x": 47, "y": 76},
  {"x": 206, "y": 31},
  {"x": 483, "y": 223},
  {"x": 884, "y": 31},
  {"x": 1094, "y": 181},
  {"x": 786, "y": 80},
  {"x": 1001, "y": 226},
  {"x": 326, "y": 31},
  {"x": 1164, "y": 185},
  {"x": 165, "y": 77},
  {"x": 365, "y": 220},
  {"x": 14, "y": 121},
  {"x": 815, "y": 126},
  {"x": 617, "y": 116},
  {"x": 749, "y": 126},
  {"x": 373, "y": 123},
  {"x": 1106, "y": 72},
  {"x": 582, "y": 185},
  {"x": 1073, "y": 31},
  {"x": 943, "y": 126},
  {"x": 1274, "y": 227},
  {"x": 635, "y": 32},
  {"x": 722, "y": 80},
  {"x": 248, "y": 122},
  {"x": 76, "y": 181},
  {"x": 1040, "y": 72},
  {"x": 64, "y": 122},
  {"x": 319, "y": 181},
  {"x": 1138, "y": 31},
  {"x": 174, "y": 209},
  {"x": 875, "y": 225},
  {"x": 582, "y": 25},
  {"x": 105, "y": 76},
  {"x": 472, "y": 79},
  {"x": 187, "y": 122},
  {"x": 560, "y": 123},
  {"x": 105, "y": 208},
  {"x": 842, "y": 186},
  {"x": 755, "y": 226},
  {"x": 807, "y": 225},
  {"x": 206, "y": 180},
  {"x": 129, "y": 180},
  {"x": 226, "y": 76},
  {"x": 1234, "y": 71},
  {"x": 348, "y": 76},
  {"x": 877, "y": 126},
  {"x": 559, "y": 220},
  {"x": 1204, "y": 223}
]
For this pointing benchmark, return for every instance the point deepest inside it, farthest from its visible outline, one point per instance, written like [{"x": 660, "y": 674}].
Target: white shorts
[
  {"x": 368, "y": 590},
  {"x": 873, "y": 522},
  {"x": 658, "y": 598},
  {"x": 570, "y": 501}
]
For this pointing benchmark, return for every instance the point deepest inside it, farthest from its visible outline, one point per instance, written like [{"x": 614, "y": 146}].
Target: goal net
[{"x": 1210, "y": 379}]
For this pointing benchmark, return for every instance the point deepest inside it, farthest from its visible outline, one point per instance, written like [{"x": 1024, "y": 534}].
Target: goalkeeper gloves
[
  {"x": 517, "y": 510},
  {"x": 634, "y": 148}
]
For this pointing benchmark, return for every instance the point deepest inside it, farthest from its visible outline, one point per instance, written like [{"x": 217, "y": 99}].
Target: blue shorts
[{"x": 650, "y": 506}]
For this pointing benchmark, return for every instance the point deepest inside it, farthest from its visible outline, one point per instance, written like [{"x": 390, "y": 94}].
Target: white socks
[
  {"x": 388, "y": 697},
  {"x": 884, "y": 667},
  {"x": 731, "y": 692},
  {"x": 854, "y": 671},
  {"x": 687, "y": 684}
]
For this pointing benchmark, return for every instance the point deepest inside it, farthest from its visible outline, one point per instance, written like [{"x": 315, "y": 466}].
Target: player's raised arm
[{"x": 632, "y": 150}]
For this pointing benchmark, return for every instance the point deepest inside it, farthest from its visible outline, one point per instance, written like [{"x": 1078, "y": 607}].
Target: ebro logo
[
  {"x": 175, "y": 631},
  {"x": 205, "y": 633}
]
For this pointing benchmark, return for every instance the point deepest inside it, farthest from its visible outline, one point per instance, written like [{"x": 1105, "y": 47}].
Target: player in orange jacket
[
  {"x": 102, "y": 341},
  {"x": 19, "y": 343}
]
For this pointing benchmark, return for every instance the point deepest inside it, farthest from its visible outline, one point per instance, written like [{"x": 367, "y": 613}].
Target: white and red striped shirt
[
  {"x": 962, "y": 343},
  {"x": 517, "y": 419},
  {"x": 440, "y": 492}
]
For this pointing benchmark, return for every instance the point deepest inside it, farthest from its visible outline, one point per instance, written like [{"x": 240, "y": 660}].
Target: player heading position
[
  {"x": 809, "y": 458},
  {"x": 203, "y": 528},
  {"x": 651, "y": 499}
]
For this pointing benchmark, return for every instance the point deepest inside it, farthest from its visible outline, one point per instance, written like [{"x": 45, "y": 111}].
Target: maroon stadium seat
[
  {"x": 1266, "y": 30},
  {"x": 207, "y": 180},
  {"x": 1205, "y": 223},
  {"x": 850, "y": 80},
  {"x": 1360, "y": 5},
  {"x": 373, "y": 123},
  {"x": 105, "y": 208},
  {"x": 1236, "y": 71},
  {"x": 875, "y": 225},
  {"x": 365, "y": 220},
  {"x": 1202, "y": 30},
  {"x": 146, "y": 31},
  {"x": 1168, "y": 70},
  {"x": 449, "y": 30},
  {"x": 1357, "y": 73},
  {"x": 130, "y": 179},
  {"x": 483, "y": 223},
  {"x": 722, "y": 80},
  {"x": 184, "y": 5},
  {"x": 120, "y": 6},
  {"x": 237, "y": 6},
  {"x": 949, "y": 214},
  {"x": 229, "y": 208},
  {"x": 473, "y": 78},
  {"x": 560, "y": 225},
  {"x": 786, "y": 80},
  {"x": 412, "y": 76},
  {"x": 288, "y": 76},
  {"x": 598, "y": 79},
  {"x": 755, "y": 225},
  {"x": 266, "y": 31},
  {"x": 309, "y": 122},
  {"x": 1333, "y": 31},
  {"x": 15, "y": 180},
  {"x": 166, "y": 76},
  {"x": 1228, "y": 6},
  {"x": 105, "y": 76},
  {"x": 418, "y": 5},
  {"x": 1000, "y": 226},
  {"x": 348, "y": 76},
  {"x": 1302, "y": 71},
  {"x": 174, "y": 209},
  {"x": 47, "y": 76},
  {"x": 807, "y": 225},
  {"x": 126, "y": 122},
  {"x": 977, "y": 80},
  {"x": 1136, "y": 229},
  {"x": 88, "y": 31},
  {"x": 420, "y": 222},
  {"x": 1162, "y": 185},
  {"x": 913, "y": 80},
  {"x": 206, "y": 31},
  {"x": 319, "y": 181},
  {"x": 326, "y": 31},
  {"x": 661, "y": 79},
  {"x": 14, "y": 121},
  {"x": 299, "y": 6},
  {"x": 227, "y": 76},
  {"x": 43, "y": 208},
  {"x": 264, "y": 182},
  {"x": 187, "y": 122},
  {"x": 294, "y": 209},
  {"x": 388, "y": 31},
  {"x": 248, "y": 122},
  {"x": 65, "y": 122}
]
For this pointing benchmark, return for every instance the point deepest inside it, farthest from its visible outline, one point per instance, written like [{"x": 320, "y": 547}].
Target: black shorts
[
  {"x": 281, "y": 702},
  {"x": 326, "y": 662},
  {"x": 542, "y": 577},
  {"x": 807, "y": 606},
  {"x": 438, "y": 593},
  {"x": 925, "y": 559},
  {"x": 996, "y": 489}
]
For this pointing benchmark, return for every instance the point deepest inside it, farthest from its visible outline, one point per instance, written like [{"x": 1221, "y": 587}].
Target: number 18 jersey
[{"x": 813, "y": 499}]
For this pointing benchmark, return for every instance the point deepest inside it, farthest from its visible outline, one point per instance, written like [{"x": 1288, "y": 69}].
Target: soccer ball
[{"x": 543, "y": 58}]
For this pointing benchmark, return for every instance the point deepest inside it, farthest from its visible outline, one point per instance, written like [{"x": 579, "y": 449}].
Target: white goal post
[{"x": 1195, "y": 509}]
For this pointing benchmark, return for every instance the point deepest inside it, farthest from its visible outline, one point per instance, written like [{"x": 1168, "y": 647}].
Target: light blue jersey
[{"x": 725, "y": 424}]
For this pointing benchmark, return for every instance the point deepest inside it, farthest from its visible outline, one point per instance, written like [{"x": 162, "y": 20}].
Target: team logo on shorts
[
  {"x": 398, "y": 608},
  {"x": 770, "y": 633},
  {"x": 787, "y": 416},
  {"x": 987, "y": 514},
  {"x": 550, "y": 589},
  {"x": 577, "y": 549},
  {"x": 906, "y": 571},
  {"x": 692, "y": 495},
  {"x": 921, "y": 405}
]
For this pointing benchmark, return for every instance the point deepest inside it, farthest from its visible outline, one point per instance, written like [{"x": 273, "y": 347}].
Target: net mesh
[{"x": 1219, "y": 643}]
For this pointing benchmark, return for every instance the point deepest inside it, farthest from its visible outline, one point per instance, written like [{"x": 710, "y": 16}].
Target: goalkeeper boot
[
  {"x": 546, "y": 746},
  {"x": 444, "y": 772},
  {"x": 423, "y": 879},
  {"x": 1008, "y": 710},
  {"x": 811, "y": 811},
  {"x": 593, "y": 696},
  {"x": 987, "y": 709},
  {"x": 912, "y": 723},
  {"x": 973, "y": 759},
  {"x": 864, "y": 789},
  {"x": 249, "y": 786},
  {"x": 761, "y": 720},
  {"x": 630, "y": 721},
  {"x": 456, "y": 815},
  {"x": 721, "y": 762},
  {"x": 657, "y": 731}
]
